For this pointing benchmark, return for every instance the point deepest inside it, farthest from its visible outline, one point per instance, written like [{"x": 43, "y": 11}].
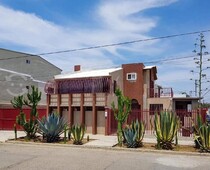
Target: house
[{"x": 85, "y": 97}]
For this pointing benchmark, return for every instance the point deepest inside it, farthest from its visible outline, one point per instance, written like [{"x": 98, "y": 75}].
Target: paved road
[{"x": 32, "y": 157}]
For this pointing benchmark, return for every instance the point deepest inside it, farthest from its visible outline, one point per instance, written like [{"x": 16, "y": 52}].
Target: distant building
[{"x": 18, "y": 71}]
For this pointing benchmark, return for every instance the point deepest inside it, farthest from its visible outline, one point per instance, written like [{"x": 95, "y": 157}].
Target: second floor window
[
  {"x": 131, "y": 76},
  {"x": 28, "y": 61}
]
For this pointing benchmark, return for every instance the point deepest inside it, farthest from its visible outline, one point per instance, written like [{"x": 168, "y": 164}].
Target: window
[
  {"x": 28, "y": 61},
  {"x": 155, "y": 108},
  {"x": 131, "y": 76}
]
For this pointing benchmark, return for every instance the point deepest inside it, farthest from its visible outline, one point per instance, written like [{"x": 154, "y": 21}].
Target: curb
[{"x": 107, "y": 148}]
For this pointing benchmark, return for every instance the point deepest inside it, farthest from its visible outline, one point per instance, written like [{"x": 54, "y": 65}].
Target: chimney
[{"x": 77, "y": 68}]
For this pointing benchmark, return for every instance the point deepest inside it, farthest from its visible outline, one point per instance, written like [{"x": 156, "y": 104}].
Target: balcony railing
[{"x": 160, "y": 92}]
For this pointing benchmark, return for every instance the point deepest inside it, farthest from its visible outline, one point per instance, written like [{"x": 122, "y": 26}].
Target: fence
[
  {"x": 8, "y": 117},
  {"x": 186, "y": 121}
]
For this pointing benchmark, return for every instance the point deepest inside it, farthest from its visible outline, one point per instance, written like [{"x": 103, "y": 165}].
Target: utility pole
[
  {"x": 200, "y": 68},
  {"x": 196, "y": 84},
  {"x": 199, "y": 62}
]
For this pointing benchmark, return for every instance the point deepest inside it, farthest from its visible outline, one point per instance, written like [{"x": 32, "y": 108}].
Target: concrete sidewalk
[
  {"x": 99, "y": 140},
  {"x": 6, "y": 134}
]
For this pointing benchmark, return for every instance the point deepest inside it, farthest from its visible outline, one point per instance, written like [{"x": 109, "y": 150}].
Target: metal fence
[{"x": 187, "y": 119}]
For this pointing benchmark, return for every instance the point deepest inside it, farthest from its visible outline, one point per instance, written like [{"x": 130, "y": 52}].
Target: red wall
[{"x": 8, "y": 117}]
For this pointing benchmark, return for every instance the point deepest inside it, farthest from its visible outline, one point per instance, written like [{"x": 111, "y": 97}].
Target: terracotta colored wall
[
  {"x": 8, "y": 117},
  {"x": 133, "y": 89}
]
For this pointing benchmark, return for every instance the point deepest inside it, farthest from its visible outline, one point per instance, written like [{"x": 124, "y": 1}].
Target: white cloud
[{"x": 117, "y": 23}]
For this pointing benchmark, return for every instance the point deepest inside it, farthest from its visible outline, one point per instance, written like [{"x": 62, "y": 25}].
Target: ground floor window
[{"x": 155, "y": 108}]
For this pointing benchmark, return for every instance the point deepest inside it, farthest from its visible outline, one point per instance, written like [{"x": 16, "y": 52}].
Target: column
[
  {"x": 107, "y": 115},
  {"x": 94, "y": 116},
  {"x": 48, "y": 104},
  {"x": 82, "y": 111},
  {"x": 59, "y": 103},
  {"x": 71, "y": 120}
]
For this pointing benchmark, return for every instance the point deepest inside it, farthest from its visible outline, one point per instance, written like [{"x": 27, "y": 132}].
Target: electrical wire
[{"x": 110, "y": 45}]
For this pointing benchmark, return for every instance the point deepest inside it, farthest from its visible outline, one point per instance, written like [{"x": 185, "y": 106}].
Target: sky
[{"x": 40, "y": 26}]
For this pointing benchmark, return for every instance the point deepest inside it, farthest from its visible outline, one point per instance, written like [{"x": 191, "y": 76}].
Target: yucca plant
[
  {"x": 78, "y": 132},
  {"x": 51, "y": 127},
  {"x": 134, "y": 134},
  {"x": 204, "y": 135},
  {"x": 166, "y": 126}
]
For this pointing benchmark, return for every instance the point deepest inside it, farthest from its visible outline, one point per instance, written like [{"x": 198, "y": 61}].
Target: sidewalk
[
  {"x": 99, "y": 140},
  {"x": 6, "y": 134}
]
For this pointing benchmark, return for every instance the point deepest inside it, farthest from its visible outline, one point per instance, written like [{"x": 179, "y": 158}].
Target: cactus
[
  {"x": 121, "y": 113},
  {"x": 78, "y": 132},
  {"x": 52, "y": 127},
  {"x": 33, "y": 98},
  {"x": 15, "y": 131},
  {"x": 204, "y": 138},
  {"x": 166, "y": 127}
]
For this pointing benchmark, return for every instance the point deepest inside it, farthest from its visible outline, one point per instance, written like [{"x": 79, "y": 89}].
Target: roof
[
  {"x": 92, "y": 73},
  {"x": 186, "y": 98},
  {"x": 149, "y": 67},
  {"x": 22, "y": 55}
]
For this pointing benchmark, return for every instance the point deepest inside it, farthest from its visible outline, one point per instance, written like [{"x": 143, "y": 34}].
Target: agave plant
[
  {"x": 78, "y": 132},
  {"x": 52, "y": 127},
  {"x": 134, "y": 134},
  {"x": 140, "y": 129},
  {"x": 204, "y": 138},
  {"x": 130, "y": 137},
  {"x": 166, "y": 127},
  {"x": 196, "y": 129}
]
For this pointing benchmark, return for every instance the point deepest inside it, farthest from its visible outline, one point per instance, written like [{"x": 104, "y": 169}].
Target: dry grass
[
  {"x": 39, "y": 139},
  {"x": 181, "y": 148}
]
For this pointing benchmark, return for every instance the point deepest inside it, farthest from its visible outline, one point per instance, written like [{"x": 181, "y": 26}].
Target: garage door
[
  {"x": 88, "y": 121},
  {"x": 100, "y": 122}
]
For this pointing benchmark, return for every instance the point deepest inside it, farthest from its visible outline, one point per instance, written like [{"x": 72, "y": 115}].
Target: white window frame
[{"x": 133, "y": 76}]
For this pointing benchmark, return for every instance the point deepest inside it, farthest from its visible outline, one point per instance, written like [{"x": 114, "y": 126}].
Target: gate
[{"x": 8, "y": 117}]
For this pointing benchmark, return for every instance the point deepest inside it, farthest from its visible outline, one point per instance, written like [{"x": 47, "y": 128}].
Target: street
[{"x": 49, "y": 157}]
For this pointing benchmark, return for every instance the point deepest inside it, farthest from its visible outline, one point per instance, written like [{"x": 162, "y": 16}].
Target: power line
[{"x": 111, "y": 45}]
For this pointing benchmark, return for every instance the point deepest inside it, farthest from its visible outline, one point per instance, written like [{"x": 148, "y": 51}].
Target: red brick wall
[{"x": 133, "y": 89}]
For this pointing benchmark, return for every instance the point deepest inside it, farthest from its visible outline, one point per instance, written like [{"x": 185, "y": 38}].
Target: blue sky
[{"x": 38, "y": 26}]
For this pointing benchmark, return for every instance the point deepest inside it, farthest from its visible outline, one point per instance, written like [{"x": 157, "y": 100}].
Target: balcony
[{"x": 160, "y": 92}]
